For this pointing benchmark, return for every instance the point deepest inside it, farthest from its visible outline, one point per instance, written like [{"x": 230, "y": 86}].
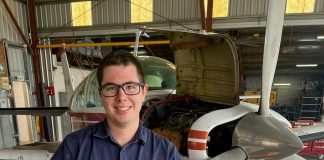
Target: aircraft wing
[
  {"x": 310, "y": 133},
  {"x": 39, "y": 111}
]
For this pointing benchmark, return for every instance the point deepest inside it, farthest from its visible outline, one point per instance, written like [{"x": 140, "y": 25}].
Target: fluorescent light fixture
[
  {"x": 306, "y": 65},
  {"x": 138, "y": 52},
  {"x": 308, "y": 47},
  {"x": 307, "y": 40},
  {"x": 133, "y": 46},
  {"x": 281, "y": 84},
  {"x": 320, "y": 37}
]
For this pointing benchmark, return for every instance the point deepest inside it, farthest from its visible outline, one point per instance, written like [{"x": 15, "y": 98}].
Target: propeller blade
[{"x": 275, "y": 18}]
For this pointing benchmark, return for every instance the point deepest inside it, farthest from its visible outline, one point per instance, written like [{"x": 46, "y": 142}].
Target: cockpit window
[{"x": 158, "y": 73}]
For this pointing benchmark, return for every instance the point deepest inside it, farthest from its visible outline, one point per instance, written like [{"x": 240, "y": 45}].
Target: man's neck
[{"x": 123, "y": 134}]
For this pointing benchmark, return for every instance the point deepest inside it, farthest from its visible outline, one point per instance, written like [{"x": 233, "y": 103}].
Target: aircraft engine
[{"x": 173, "y": 117}]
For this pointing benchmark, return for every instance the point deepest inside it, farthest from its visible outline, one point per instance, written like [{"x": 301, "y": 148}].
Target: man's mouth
[{"x": 123, "y": 108}]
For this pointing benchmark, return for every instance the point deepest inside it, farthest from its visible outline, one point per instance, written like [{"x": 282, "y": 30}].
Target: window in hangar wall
[
  {"x": 220, "y": 8},
  {"x": 141, "y": 11},
  {"x": 81, "y": 13},
  {"x": 300, "y": 6}
]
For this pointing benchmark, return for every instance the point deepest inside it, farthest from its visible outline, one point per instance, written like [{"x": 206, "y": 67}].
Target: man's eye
[
  {"x": 110, "y": 88},
  {"x": 130, "y": 86}
]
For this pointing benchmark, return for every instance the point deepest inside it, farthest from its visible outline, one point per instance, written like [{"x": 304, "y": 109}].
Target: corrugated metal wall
[
  {"x": 53, "y": 15},
  {"x": 319, "y": 6},
  {"x": 7, "y": 28},
  {"x": 248, "y": 7},
  {"x": 176, "y": 10},
  {"x": 301, "y": 86},
  {"x": 110, "y": 12}
]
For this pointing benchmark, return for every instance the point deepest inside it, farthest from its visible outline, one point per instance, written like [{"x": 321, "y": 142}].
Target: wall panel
[
  {"x": 176, "y": 10},
  {"x": 301, "y": 86},
  {"x": 7, "y": 28},
  {"x": 319, "y": 6},
  {"x": 248, "y": 7},
  {"x": 53, "y": 15},
  {"x": 110, "y": 12}
]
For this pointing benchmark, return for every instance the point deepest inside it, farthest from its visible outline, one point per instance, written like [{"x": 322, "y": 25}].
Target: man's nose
[{"x": 121, "y": 93}]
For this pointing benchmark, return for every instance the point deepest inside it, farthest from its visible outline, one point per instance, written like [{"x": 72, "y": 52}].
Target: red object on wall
[{"x": 49, "y": 90}]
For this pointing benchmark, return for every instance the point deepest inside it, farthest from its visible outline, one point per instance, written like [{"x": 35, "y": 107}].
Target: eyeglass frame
[{"x": 140, "y": 84}]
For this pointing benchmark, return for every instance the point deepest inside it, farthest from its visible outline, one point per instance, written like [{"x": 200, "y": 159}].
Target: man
[{"x": 121, "y": 135}]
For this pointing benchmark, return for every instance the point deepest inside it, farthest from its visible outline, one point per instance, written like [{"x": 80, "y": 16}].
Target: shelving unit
[{"x": 311, "y": 108}]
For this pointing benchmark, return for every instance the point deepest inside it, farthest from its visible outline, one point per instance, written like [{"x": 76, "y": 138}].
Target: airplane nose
[{"x": 265, "y": 137}]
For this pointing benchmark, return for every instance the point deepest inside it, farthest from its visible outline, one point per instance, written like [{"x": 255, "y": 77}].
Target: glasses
[{"x": 129, "y": 88}]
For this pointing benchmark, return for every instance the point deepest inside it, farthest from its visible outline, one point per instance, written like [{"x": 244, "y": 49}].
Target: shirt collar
[{"x": 103, "y": 131}]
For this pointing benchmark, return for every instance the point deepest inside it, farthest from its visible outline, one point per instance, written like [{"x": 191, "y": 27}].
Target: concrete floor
[{"x": 312, "y": 157}]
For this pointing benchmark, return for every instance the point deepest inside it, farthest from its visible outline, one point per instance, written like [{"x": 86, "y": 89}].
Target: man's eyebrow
[{"x": 109, "y": 83}]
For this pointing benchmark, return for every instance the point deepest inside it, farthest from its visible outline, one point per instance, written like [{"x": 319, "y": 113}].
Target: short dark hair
[{"x": 119, "y": 58}]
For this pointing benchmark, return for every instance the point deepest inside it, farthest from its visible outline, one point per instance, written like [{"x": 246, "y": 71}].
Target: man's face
[{"x": 122, "y": 109}]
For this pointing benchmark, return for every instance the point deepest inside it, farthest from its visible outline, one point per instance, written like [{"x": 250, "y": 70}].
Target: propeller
[
  {"x": 262, "y": 136},
  {"x": 275, "y": 18}
]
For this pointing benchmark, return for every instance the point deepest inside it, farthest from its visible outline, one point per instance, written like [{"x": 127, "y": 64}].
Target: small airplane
[{"x": 205, "y": 118}]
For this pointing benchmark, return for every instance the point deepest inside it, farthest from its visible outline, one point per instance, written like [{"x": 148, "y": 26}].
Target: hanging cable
[
  {"x": 69, "y": 22},
  {"x": 129, "y": 1}
]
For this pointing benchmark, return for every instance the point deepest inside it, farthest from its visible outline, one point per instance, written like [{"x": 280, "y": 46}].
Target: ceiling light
[
  {"x": 281, "y": 84},
  {"x": 307, "y": 40},
  {"x": 138, "y": 52},
  {"x": 308, "y": 47},
  {"x": 320, "y": 37},
  {"x": 133, "y": 46},
  {"x": 306, "y": 65}
]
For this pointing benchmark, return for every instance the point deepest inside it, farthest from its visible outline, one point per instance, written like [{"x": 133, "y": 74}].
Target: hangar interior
[{"x": 34, "y": 78}]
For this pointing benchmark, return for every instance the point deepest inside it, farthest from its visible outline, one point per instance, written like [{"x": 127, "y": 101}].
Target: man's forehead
[{"x": 118, "y": 70}]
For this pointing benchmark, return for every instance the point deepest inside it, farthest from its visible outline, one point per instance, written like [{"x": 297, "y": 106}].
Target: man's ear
[{"x": 145, "y": 89}]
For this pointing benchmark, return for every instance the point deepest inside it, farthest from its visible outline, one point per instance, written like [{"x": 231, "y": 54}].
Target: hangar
[{"x": 35, "y": 33}]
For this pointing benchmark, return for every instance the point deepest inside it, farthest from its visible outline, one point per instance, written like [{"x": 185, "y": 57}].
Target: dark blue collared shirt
[{"x": 96, "y": 143}]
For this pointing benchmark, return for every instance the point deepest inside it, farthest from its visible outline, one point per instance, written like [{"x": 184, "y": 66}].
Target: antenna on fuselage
[
  {"x": 275, "y": 19},
  {"x": 139, "y": 33}
]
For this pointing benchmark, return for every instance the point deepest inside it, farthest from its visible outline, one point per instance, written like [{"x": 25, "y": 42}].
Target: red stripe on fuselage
[
  {"x": 197, "y": 145},
  {"x": 198, "y": 134}
]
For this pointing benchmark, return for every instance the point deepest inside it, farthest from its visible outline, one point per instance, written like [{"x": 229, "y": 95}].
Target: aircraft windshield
[{"x": 159, "y": 74}]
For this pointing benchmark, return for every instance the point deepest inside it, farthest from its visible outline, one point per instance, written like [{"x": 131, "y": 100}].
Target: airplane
[{"x": 205, "y": 118}]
